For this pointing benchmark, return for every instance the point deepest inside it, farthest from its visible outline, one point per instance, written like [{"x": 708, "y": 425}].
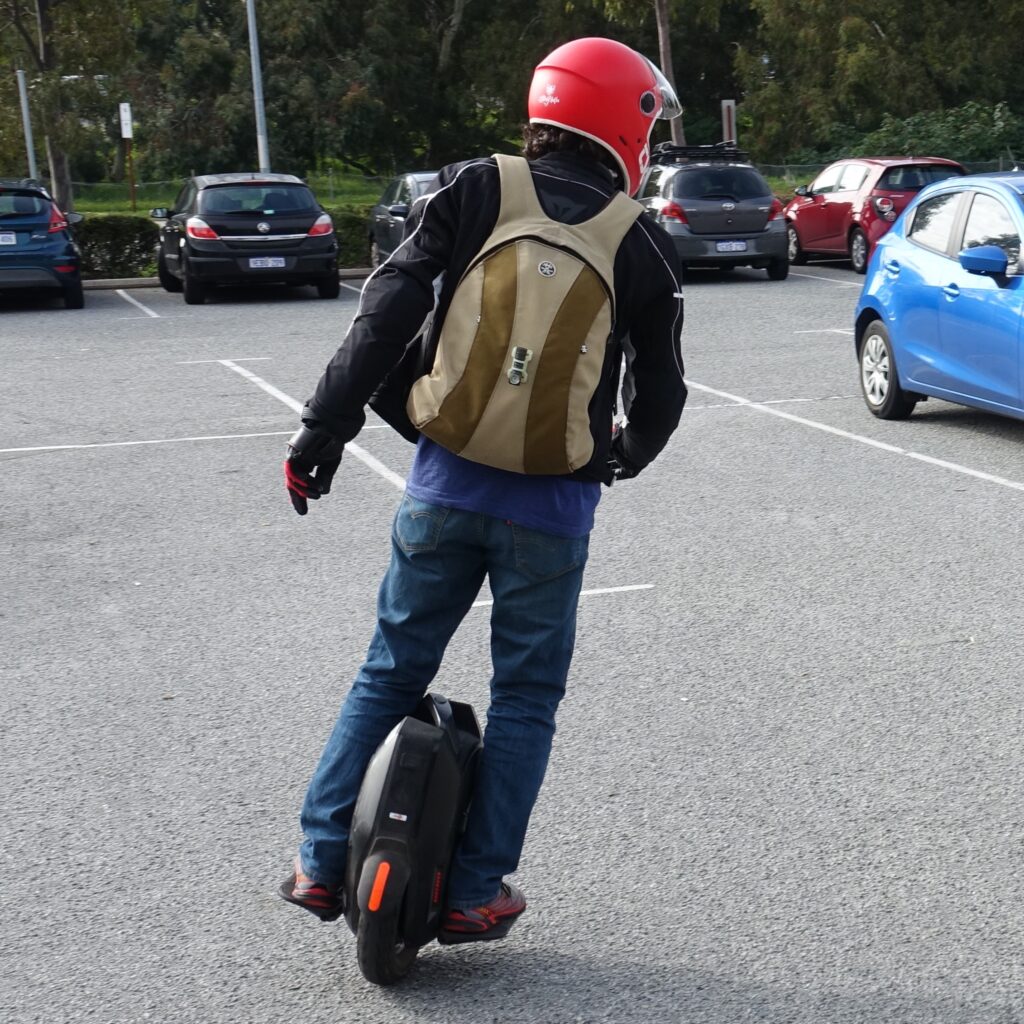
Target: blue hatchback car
[
  {"x": 37, "y": 249},
  {"x": 942, "y": 307}
]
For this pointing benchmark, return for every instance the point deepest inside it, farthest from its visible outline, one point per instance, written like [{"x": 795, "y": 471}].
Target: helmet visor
[{"x": 667, "y": 102}]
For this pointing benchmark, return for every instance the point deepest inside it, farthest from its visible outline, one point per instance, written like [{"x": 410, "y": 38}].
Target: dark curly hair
[{"x": 541, "y": 139}]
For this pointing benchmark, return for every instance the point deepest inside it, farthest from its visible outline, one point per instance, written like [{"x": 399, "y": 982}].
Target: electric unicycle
[{"x": 410, "y": 813}]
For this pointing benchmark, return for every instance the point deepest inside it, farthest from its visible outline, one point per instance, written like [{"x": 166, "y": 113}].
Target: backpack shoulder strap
[
  {"x": 519, "y": 202},
  {"x": 518, "y": 195}
]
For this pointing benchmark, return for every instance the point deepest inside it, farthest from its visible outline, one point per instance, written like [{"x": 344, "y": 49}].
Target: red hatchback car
[{"x": 852, "y": 203}]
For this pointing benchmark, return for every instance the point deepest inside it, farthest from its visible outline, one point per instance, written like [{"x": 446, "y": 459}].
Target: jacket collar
[{"x": 578, "y": 168}]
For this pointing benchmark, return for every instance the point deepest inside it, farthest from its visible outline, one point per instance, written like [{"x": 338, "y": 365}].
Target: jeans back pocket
[{"x": 418, "y": 525}]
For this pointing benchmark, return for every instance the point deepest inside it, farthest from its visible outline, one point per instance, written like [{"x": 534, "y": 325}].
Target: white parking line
[
  {"x": 954, "y": 467},
  {"x": 587, "y": 593},
  {"x": 296, "y": 406},
  {"x": 128, "y": 444},
  {"x": 135, "y": 302},
  {"x": 828, "y": 330},
  {"x": 235, "y": 359},
  {"x": 351, "y": 287},
  {"x": 773, "y": 401},
  {"x": 831, "y": 280}
]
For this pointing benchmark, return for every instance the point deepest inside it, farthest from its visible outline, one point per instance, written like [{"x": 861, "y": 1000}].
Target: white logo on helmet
[
  {"x": 546, "y": 268},
  {"x": 549, "y": 96}
]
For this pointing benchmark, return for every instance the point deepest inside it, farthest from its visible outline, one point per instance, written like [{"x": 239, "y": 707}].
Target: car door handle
[
  {"x": 892, "y": 267},
  {"x": 951, "y": 291}
]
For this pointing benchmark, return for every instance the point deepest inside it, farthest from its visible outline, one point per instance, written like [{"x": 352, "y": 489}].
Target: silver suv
[{"x": 717, "y": 207}]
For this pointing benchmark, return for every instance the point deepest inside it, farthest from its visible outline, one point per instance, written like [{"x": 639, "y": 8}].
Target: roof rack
[
  {"x": 666, "y": 152},
  {"x": 21, "y": 183}
]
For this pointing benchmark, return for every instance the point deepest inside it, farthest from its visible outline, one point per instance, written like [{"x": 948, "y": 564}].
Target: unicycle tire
[{"x": 383, "y": 958}]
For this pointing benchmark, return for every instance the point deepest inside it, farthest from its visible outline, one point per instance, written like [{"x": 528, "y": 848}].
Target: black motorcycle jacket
[{"x": 393, "y": 336}]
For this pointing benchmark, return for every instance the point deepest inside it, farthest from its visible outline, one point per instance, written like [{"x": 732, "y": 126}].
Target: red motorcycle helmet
[{"x": 608, "y": 92}]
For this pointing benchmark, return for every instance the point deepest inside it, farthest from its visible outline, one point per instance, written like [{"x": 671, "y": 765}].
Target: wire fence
[
  {"x": 345, "y": 189},
  {"x": 330, "y": 189}
]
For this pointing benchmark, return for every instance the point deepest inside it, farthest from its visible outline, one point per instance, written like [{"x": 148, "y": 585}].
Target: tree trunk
[
  {"x": 56, "y": 155},
  {"x": 665, "y": 56},
  {"x": 60, "y": 176},
  {"x": 448, "y": 38}
]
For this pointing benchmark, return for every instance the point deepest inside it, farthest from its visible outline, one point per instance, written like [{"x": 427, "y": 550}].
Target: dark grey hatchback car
[
  {"x": 247, "y": 228},
  {"x": 387, "y": 218},
  {"x": 717, "y": 207}
]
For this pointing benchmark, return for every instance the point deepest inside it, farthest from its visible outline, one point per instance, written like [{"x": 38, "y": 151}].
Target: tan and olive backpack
[{"x": 522, "y": 346}]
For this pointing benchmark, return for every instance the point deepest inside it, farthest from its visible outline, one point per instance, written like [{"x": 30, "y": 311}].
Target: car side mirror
[
  {"x": 988, "y": 260},
  {"x": 74, "y": 218},
  {"x": 399, "y": 210},
  {"x": 802, "y": 190},
  {"x": 160, "y": 213}
]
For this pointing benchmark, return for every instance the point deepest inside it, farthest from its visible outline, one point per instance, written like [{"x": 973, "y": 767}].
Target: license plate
[
  {"x": 266, "y": 262},
  {"x": 8, "y": 238},
  {"x": 731, "y": 246}
]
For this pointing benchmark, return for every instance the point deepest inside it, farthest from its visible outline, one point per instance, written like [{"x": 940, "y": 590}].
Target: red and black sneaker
[
  {"x": 493, "y": 920},
  {"x": 326, "y": 901}
]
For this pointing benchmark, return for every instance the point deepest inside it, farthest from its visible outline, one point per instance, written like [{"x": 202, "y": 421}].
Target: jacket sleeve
[
  {"x": 395, "y": 301},
  {"x": 653, "y": 387}
]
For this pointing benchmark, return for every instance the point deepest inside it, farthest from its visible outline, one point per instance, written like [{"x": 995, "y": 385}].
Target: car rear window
[
  {"x": 256, "y": 198},
  {"x": 23, "y": 204},
  {"x": 915, "y": 176},
  {"x": 719, "y": 182}
]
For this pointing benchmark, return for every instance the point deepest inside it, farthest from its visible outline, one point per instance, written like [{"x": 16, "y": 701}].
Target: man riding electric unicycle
[{"x": 539, "y": 281}]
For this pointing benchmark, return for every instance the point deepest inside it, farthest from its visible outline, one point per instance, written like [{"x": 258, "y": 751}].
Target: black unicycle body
[{"x": 411, "y": 811}]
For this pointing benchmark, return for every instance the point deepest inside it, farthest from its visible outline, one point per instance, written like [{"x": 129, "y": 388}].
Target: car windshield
[
  {"x": 719, "y": 183},
  {"x": 264, "y": 199},
  {"x": 912, "y": 177},
  {"x": 22, "y": 204}
]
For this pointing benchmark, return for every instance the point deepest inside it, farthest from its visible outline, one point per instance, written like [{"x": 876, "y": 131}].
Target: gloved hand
[
  {"x": 618, "y": 463},
  {"x": 313, "y": 458}
]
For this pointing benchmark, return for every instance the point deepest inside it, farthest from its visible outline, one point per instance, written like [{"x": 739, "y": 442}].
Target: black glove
[
  {"x": 313, "y": 458},
  {"x": 618, "y": 463}
]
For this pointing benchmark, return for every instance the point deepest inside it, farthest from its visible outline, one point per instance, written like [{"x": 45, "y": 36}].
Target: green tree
[
  {"x": 75, "y": 53},
  {"x": 818, "y": 75}
]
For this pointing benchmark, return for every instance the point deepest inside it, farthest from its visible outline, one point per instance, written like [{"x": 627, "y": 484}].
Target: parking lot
[{"x": 786, "y": 785}]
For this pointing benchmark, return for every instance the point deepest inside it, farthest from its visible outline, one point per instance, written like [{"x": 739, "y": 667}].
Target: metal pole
[
  {"x": 33, "y": 171},
  {"x": 257, "y": 88}
]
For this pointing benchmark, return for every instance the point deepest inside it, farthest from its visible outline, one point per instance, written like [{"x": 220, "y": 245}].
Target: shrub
[
  {"x": 350, "y": 225},
  {"x": 117, "y": 246},
  {"x": 121, "y": 245}
]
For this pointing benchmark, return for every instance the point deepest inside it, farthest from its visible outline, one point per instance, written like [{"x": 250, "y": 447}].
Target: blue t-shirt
[{"x": 554, "y": 504}]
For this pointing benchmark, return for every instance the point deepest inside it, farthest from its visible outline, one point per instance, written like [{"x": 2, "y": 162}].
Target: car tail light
[
  {"x": 323, "y": 225},
  {"x": 198, "y": 228},
  {"x": 65, "y": 268},
  {"x": 58, "y": 222},
  {"x": 673, "y": 211},
  {"x": 886, "y": 208},
  {"x": 776, "y": 211}
]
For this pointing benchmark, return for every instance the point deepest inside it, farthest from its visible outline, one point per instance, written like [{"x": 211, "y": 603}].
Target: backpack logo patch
[{"x": 546, "y": 268}]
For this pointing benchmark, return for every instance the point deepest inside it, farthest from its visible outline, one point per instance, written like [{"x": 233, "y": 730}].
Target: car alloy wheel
[
  {"x": 858, "y": 251},
  {"x": 879, "y": 380},
  {"x": 794, "y": 251},
  {"x": 874, "y": 369}
]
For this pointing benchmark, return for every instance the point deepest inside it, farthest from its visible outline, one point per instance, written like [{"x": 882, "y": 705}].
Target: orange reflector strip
[{"x": 377, "y": 892}]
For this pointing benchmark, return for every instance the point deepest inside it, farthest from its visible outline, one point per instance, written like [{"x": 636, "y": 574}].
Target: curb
[{"x": 152, "y": 282}]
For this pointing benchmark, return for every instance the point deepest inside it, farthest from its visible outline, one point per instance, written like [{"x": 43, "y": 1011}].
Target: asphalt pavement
[{"x": 786, "y": 785}]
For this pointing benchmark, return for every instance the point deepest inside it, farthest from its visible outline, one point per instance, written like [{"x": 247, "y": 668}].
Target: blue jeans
[{"x": 440, "y": 557}]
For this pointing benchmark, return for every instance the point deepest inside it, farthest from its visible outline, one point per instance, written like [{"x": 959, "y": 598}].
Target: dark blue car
[
  {"x": 36, "y": 246},
  {"x": 943, "y": 301}
]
